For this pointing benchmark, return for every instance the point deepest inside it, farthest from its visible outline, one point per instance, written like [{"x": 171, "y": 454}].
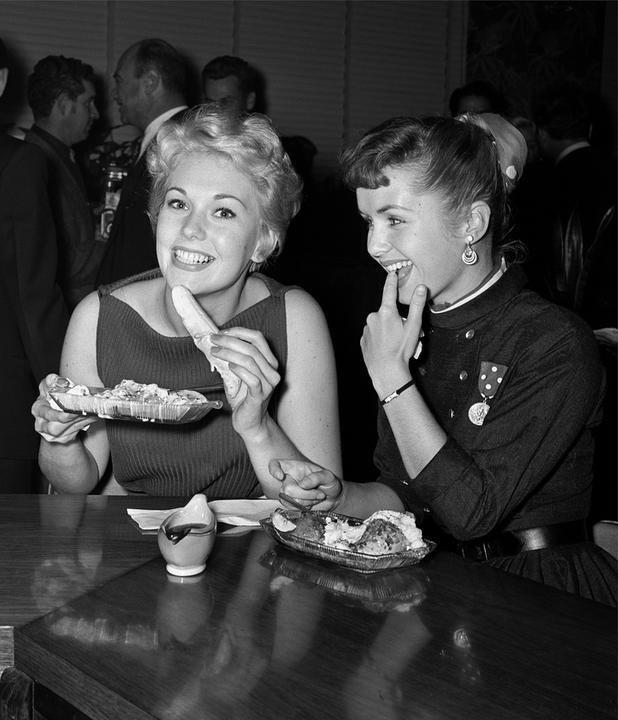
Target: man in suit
[
  {"x": 62, "y": 97},
  {"x": 580, "y": 191},
  {"x": 581, "y": 206},
  {"x": 33, "y": 316},
  {"x": 231, "y": 82},
  {"x": 151, "y": 80}
]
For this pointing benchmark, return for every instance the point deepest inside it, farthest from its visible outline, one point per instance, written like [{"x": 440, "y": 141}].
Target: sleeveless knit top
[{"x": 205, "y": 456}]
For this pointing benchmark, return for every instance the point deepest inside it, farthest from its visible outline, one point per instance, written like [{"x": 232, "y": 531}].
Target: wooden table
[{"x": 89, "y": 614}]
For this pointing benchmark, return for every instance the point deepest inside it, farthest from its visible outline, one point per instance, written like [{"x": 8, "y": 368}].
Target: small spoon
[{"x": 176, "y": 533}]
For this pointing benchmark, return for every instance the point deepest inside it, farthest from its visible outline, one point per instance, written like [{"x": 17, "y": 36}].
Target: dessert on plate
[
  {"x": 132, "y": 400},
  {"x": 385, "y": 532}
]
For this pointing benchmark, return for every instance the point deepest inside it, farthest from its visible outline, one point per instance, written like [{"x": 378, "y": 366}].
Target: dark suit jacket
[
  {"x": 584, "y": 188},
  {"x": 586, "y": 181},
  {"x": 33, "y": 315},
  {"x": 79, "y": 255},
  {"x": 131, "y": 245}
]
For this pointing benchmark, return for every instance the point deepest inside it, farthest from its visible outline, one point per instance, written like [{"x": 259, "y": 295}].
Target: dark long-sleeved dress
[{"x": 529, "y": 463}]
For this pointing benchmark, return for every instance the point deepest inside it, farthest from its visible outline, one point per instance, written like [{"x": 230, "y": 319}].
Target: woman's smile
[{"x": 191, "y": 260}]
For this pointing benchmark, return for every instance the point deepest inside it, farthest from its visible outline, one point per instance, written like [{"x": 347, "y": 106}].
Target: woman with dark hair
[
  {"x": 223, "y": 194},
  {"x": 488, "y": 393}
]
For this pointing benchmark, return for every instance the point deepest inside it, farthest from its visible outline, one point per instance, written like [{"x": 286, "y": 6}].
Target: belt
[{"x": 511, "y": 542}]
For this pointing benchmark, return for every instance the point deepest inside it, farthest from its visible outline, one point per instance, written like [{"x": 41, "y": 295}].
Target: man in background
[
  {"x": 62, "y": 97},
  {"x": 232, "y": 82},
  {"x": 151, "y": 82},
  {"x": 33, "y": 316},
  {"x": 579, "y": 261},
  {"x": 581, "y": 189},
  {"x": 478, "y": 96}
]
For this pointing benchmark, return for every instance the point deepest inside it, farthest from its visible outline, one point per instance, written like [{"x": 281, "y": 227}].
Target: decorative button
[
  {"x": 469, "y": 334},
  {"x": 463, "y": 375}
]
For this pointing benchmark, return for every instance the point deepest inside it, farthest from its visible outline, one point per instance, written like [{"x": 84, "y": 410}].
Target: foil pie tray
[
  {"x": 196, "y": 407},
  {"x": 360, "y": 562}
]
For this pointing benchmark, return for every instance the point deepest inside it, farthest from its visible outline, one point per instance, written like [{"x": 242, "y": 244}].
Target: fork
[{"x": 296, "y": 504}]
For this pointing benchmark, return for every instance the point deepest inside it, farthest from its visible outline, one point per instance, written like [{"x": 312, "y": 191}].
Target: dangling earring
[{"x": 469, "y": 256}]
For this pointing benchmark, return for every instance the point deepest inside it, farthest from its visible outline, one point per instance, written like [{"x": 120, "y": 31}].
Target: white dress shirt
[{"x": 154, "y": 125}]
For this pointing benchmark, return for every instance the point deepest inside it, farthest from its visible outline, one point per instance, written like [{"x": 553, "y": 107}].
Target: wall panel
[
  {"x": 396, "y": 61},
  {"x": 333, "y": 67},
  {"x": 31, "y": 30},
  {"x": 299, "y": 47}
]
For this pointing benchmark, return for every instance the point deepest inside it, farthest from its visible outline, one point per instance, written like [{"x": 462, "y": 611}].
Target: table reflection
[
  {"x": 378, "y": 677},
  {"x": 379, "y": 592},
  {"x": 268, "y": 632},
  {"x": 71, "y": 550}
]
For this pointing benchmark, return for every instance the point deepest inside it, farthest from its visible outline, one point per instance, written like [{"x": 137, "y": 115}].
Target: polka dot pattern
[{"x": 490, "y": 378}]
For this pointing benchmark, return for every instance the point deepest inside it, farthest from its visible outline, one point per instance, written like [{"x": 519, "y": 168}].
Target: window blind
[
  {"x": 396, "y": 61},
  {"x": 333, "y": 67},
  {"x": 32, "y": 30},
  {"x": 299, "y": 47}
]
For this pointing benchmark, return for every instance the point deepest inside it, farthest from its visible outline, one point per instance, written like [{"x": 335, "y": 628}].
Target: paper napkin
[{"x": 233, "y": 512}]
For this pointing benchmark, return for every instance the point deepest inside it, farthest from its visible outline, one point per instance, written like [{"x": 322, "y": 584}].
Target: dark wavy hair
[
  {"x": 226, "y": 65},
  {"x": 457, "y": 159},
  {"x": 480, "y": 88},
  {"x": 52, "y": 76}
]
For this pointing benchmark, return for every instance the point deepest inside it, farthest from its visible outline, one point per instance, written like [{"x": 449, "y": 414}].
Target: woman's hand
[
  {"x": 55, "y": 425},
  {"x": 389, "y": 341},
  {"x": 251, "y": 359},
  {"x": 307, "y": 483}
]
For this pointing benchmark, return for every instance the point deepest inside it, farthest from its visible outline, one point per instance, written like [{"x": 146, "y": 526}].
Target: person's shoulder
[
  {"x": 133, "y": 286},
  {"x": 8, "y": 144},
  {"x": 144, "y": 284},
  {"x": 18, "y": 152},
  {"x": 535, "y": 311},
  {"x": 265, "y": 286},
  {"x": 24, "y": 175},
  {"x": 544, "y": 326},
  {"x": 87, "y": 310},
  {"x": 299, "y": 302},
  {"x": 587, "y": 165},
  {"x": 300, "y": 306}
]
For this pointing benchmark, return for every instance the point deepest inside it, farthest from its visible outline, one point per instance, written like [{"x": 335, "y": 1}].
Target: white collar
[
  {"x": 154, "y": 125},
  {"x": 486, "y": 285}
]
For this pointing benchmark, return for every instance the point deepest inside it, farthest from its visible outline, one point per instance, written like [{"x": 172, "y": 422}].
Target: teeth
[
  {"x": 398, "y": 265},
  {"x": 192, "y": 258}
]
